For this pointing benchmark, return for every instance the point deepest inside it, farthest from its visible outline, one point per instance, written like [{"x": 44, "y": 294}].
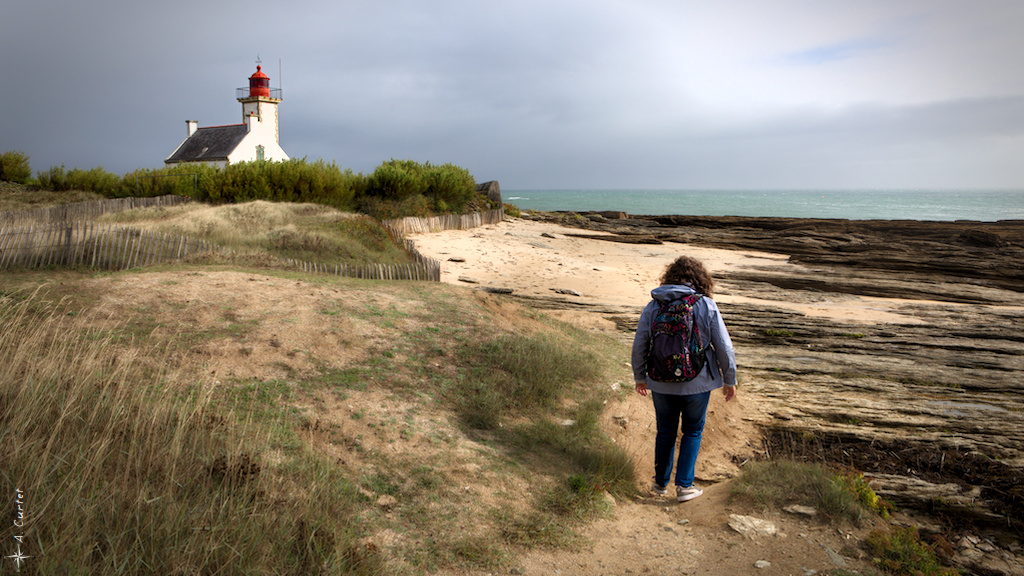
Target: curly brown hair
[{"x": 687, "y": 270}]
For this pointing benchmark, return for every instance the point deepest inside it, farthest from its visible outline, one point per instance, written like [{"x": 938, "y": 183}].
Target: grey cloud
[{"x": 536, "y": 94}]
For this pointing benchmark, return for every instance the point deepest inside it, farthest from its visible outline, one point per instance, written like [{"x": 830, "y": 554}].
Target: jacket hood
[{"x": 670, "y": 292}]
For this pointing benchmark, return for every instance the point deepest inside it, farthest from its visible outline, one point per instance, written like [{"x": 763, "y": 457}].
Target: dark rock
[
  {"x": 627, "y": 239},
  {"x": 491, "y": 189},
  {"x": 983, "y": 238}
]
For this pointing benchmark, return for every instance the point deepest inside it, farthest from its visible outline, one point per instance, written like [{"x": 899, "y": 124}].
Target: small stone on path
[
  {"x": 801, "y": 510},
  {"x": 752, "y": 527},
  {"x": 836, "y": 558}
]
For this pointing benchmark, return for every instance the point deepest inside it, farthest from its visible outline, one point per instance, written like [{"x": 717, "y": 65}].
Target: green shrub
[
  {"x": 900, "y": 551},
  {"x": 396, "y": 180},
  {"x": 399, "y": 188},
  {"x": 856, "y": 484},
  {"x": 293, "y": 180},
  {"x": 382, "y": 209},
  {"x": 14, "y": 167},
  {"x": 192, "y": 180},
  {"x": 53, "y": 179},
  {"x": 449, "y": 187},
  {"x": 95, "y": 180}
]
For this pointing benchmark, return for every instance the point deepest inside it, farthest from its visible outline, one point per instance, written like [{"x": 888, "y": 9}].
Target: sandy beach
[{"x": 537, "y": 259}]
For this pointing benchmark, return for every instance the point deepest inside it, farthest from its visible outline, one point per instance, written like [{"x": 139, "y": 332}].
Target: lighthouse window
[{"x": 259, "y": 152}]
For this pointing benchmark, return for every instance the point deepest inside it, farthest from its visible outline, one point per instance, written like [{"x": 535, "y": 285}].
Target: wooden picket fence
[
  {"x": 93, "y": 245},
  {"x": 113, "y": 247},
  {"x": 414, "y": 225},
  {"x": 417, "y": 271},
  {"x": 48, "y": 240},
  {"x": 81, "y": 211}
]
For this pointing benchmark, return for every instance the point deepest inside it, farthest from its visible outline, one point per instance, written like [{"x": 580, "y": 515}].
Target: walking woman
[{"x": 681, "y": 383}]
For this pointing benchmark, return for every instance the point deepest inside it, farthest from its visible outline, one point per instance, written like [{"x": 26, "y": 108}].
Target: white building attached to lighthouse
[{"x": 256, "y": 138}]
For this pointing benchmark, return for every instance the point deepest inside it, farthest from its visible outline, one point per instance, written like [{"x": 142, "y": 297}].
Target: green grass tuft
[{"x": 836, "y": 495}]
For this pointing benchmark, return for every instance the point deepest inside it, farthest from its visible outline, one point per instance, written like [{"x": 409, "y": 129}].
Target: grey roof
[{"x": 207, "y": 144}]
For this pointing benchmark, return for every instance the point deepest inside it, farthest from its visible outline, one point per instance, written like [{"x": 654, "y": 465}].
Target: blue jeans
[{"x": 669, "y": 409}]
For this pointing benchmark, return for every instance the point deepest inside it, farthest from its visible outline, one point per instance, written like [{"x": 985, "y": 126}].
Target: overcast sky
[{"x": 540, "y": 94}]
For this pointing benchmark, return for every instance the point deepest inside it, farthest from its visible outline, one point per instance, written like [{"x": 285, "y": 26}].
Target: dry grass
[
  {"x": 125, "y": 470},
  {"x": 135, "y": 460},
  {"x": 308, "y": 232},
  {"x": 19, "y": 197}
]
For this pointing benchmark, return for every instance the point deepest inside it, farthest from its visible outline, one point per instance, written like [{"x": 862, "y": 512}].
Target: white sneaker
[
  {"x": 659, "y": 490},
  {"x": 686, "y": 494}
]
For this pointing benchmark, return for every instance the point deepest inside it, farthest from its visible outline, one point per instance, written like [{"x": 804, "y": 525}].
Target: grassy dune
[
  {"x": 135, "y": 460},
  {"x": 308, "y": 232},
  {"x": 20, "y": 197}
]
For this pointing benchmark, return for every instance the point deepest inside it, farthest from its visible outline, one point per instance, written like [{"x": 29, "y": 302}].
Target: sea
[{"x": 942, "y": 205}]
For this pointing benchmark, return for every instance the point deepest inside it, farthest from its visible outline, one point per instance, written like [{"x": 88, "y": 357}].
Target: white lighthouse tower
[{"x": 259, "y": 103}]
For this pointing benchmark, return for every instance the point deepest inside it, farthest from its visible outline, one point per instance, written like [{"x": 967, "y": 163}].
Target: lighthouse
[
  {"x": 256, "y": 138},
  {"x": 260, "y": 101}
]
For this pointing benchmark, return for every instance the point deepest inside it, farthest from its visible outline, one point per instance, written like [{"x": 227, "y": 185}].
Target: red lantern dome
[{"x": 259, "y": 84}]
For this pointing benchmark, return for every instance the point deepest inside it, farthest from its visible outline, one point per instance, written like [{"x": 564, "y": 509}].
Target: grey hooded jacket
[{"x": 721, "y": 369}]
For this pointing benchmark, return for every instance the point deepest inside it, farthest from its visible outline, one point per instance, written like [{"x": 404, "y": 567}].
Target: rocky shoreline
[{"x": 932, "y": 408}]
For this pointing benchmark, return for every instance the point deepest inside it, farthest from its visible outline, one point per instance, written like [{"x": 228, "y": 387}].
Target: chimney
[{"x": 192, "y": 125}]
